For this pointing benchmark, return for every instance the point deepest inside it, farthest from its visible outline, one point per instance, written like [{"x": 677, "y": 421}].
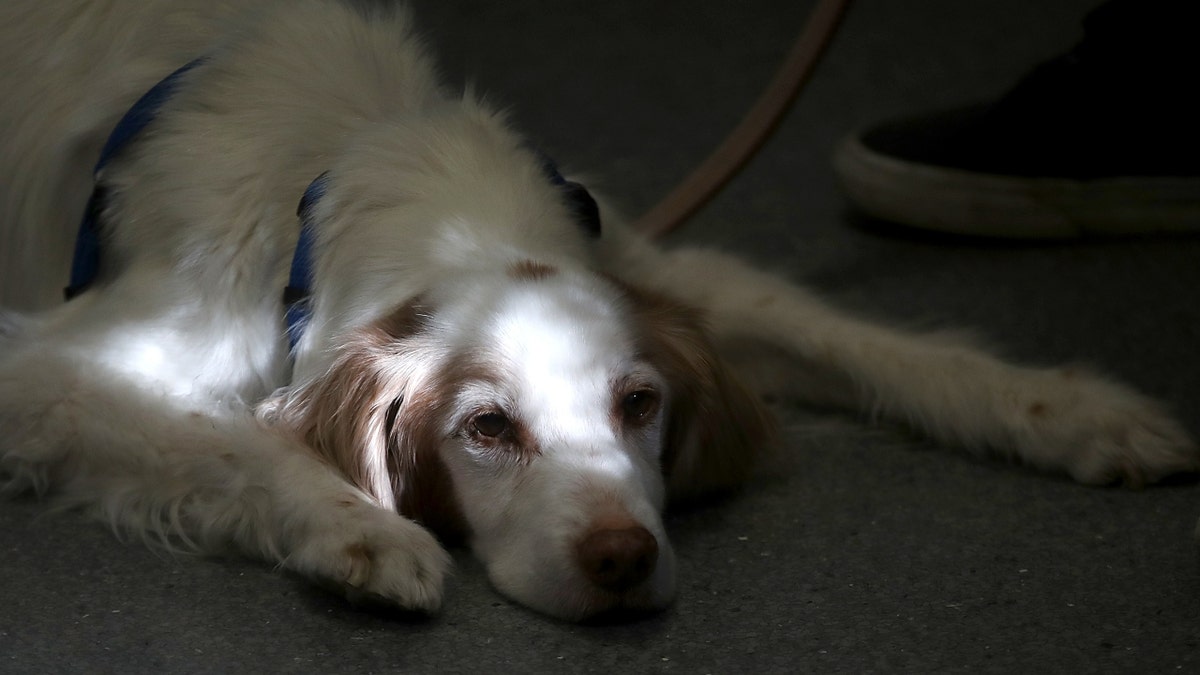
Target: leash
[{"x": 754, "y": 129}]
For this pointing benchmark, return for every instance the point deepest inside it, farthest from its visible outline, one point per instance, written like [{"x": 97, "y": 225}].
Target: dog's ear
[
  {"x": 371, "y": 417},
  {"x": 421, "y": 483},
  {"x": 716, "y": 427}
]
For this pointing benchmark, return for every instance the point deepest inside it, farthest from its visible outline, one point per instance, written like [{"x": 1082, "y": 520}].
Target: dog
[{"x": 471, "y": 348}]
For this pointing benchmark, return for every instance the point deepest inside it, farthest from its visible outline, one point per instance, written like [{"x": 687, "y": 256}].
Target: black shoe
[{"x": 1102, "y": 140}]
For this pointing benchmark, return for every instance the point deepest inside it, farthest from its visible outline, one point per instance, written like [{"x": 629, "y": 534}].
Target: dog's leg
[
  {"x": 202, "y": 477},
  {"x": 1058, "y": 419}
]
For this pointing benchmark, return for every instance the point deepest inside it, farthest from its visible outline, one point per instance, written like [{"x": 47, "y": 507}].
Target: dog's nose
[{"x": 618, "y": 559}]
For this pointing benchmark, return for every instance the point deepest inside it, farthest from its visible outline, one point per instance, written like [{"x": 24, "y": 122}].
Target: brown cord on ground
[{"x": 694, "y": 191}]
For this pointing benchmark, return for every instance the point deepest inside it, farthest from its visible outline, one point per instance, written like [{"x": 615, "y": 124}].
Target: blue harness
[
  {"x": 297, "y": 308},
  {"x": 86, "y": 264}
]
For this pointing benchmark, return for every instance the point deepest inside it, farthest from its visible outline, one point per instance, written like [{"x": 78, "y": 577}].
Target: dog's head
[
  {"x": 545, "y": 415},
  {"x": 508, "y": 395}
]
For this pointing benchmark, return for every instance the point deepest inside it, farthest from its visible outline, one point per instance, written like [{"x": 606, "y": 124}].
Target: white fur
[{"x": 450, "y": 280}]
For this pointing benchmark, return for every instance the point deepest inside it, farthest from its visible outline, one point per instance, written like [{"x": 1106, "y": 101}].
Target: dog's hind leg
[
  {"x": 1059, "y": 419},
  {"x": 202, "y": 477}
]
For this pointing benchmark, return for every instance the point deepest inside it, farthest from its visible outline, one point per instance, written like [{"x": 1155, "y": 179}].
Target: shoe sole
[{"x": 966, "y": 203}]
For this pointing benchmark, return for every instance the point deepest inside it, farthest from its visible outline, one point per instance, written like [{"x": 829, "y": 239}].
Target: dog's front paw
[
  {"x": 398, "y": 563},
  {"x": 408, "y": 571},
  {"x": 1103, "y": 433}
]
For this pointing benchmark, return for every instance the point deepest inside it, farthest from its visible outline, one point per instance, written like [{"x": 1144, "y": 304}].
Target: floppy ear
[
  {"x": 716, "y": 427},
  {"x": 349, "y": 415}
]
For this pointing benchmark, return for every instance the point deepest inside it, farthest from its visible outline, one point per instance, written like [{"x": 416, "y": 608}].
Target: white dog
[{"x": 459, "y": 352}]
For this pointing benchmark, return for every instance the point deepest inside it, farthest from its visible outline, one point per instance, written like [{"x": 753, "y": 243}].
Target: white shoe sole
[{"x": 962, "y": 202}]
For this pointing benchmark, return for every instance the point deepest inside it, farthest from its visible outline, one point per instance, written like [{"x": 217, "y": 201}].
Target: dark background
[{"x": 861, "y": 550}]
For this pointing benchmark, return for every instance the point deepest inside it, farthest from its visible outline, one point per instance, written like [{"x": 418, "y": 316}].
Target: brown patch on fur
[
  {"x": 349, "y": 419},
  {"x": 421, "y": 482},
  {"x": 531, "y": 270},
  {"x": 404, "y": 322},
  {"x": 361, "y": 557},
  {"x": 360, "y": 553},
  {"x": 526, "y": 448},
  {"x": 716, "y": 427},
  {"x": 520, "y": 444},
  {"x": 337, "y": 416},
  {"x": 427, "y": 494},
  {"x": 1038, "y": 409}
]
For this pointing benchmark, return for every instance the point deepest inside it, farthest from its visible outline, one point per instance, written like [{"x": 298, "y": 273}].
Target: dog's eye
[
  {"x": 490, "y": 424},
  {"x": 639, "y": 405}
]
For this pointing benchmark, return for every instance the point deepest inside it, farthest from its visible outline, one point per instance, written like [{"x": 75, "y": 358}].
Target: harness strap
[
  {"x": 86, "y": 262},
  {"x": 297, "y": 307}
]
